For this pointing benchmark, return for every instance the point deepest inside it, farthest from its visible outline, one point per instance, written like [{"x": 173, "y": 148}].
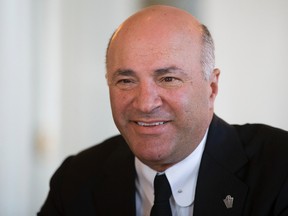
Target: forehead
[
  {"x": 155, "y": 38},
  {"x": 155, "y": 49}
]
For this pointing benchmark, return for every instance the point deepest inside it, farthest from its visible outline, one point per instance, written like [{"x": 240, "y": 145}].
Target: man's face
[{"x": 160, "y": 101}]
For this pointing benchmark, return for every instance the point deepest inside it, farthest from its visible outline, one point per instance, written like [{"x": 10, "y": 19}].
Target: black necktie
[{"x": 162, "y": 193}]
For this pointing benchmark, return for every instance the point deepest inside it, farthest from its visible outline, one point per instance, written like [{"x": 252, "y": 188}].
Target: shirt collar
[{"x": 181, "y": 176}]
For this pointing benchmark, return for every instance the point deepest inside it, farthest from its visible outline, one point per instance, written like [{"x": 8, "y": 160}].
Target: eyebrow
[
  {"x": 168, "y": 70},
  {"x": 157, "y": 72},
  {"x": 123, "y": 72}
]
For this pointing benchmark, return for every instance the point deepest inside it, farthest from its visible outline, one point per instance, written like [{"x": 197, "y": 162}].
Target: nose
[{"x": 147, "y": 97}]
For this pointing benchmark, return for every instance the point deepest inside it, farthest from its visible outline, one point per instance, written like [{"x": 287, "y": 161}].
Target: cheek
[
  {"x": 114, "y": 102},
  {"x": 192, "y": 102},
  {"x": 119, "y": 102}
]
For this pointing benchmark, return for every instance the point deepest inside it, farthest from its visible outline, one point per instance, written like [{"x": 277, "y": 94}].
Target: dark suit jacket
[{"x": 249, "y": 163}]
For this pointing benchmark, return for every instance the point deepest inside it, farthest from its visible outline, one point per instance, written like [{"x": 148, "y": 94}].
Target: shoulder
[
  {"x": 84, "y": 181},
  {"x": 104, "y": 150},
  {"x": 263, "y": 131},
  {"x": 262, "y": 135},
  {"x": 259, "y": 142},
  {"x": 265, "y": 145},
  {"x": 251, "y": 134},
  {"x": 103, "y": 153},
  {"x": 96, "y": 160},
  {"x": 266, "y": 172},
  {"x": 258, "y": 156}
]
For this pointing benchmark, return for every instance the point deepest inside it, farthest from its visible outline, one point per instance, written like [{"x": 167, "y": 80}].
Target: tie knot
[{"x": 162, "y": 188}]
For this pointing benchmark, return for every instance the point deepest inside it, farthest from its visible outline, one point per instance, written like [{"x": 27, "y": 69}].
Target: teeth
[{"x": 150, "y": 124}]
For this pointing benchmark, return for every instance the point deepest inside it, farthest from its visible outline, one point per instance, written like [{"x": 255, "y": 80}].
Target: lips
[{"x": 149, "y": 127}]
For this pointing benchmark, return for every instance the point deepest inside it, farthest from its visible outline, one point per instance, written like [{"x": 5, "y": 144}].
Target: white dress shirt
[{"x": 182, "y": 178}]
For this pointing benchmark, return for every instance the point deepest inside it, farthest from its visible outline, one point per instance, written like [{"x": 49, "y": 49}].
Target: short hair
[
  {"x": 107, "y": 50},
  {"x": 207, "y": 52}
]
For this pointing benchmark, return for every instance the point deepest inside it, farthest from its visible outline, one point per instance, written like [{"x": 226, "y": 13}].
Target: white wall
[
  {"x": 252, "y": 53},
  {"x": 16, "y": 107},
  {"x": 86, "y": 28}
]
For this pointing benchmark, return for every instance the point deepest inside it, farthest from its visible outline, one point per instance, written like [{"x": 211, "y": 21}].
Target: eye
[
  {"x": 170, "y": 81},
  {"x": 124, "y": 81},
  {"x": 125, "y": 84}
]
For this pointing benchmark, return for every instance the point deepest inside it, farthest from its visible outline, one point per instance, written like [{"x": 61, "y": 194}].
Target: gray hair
[{"x": 207, "y": 53}]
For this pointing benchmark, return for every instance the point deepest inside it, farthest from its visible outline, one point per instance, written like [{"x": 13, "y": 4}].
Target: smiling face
[{"x": 160, "y": 101}]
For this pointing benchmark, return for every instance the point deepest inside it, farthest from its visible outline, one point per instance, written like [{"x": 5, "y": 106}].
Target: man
[{"x": 162, "y": 84}]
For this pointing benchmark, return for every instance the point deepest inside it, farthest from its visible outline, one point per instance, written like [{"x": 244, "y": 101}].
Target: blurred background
[{"x": 53, "y": 94}]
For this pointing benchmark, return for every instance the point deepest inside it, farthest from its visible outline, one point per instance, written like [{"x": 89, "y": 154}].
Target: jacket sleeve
[
  {"x": 281, "y": 206},
  {"x": 53, "y": 204}
]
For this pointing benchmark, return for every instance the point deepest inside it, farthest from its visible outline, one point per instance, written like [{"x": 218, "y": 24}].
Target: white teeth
[{"x": 150, "y": 124}]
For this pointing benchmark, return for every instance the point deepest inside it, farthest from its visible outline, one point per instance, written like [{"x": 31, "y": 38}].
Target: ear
[{"x": 214, "y": 78}]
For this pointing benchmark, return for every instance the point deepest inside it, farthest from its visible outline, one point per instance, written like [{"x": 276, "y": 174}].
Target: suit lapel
[{"x": 222, "y": 159}]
